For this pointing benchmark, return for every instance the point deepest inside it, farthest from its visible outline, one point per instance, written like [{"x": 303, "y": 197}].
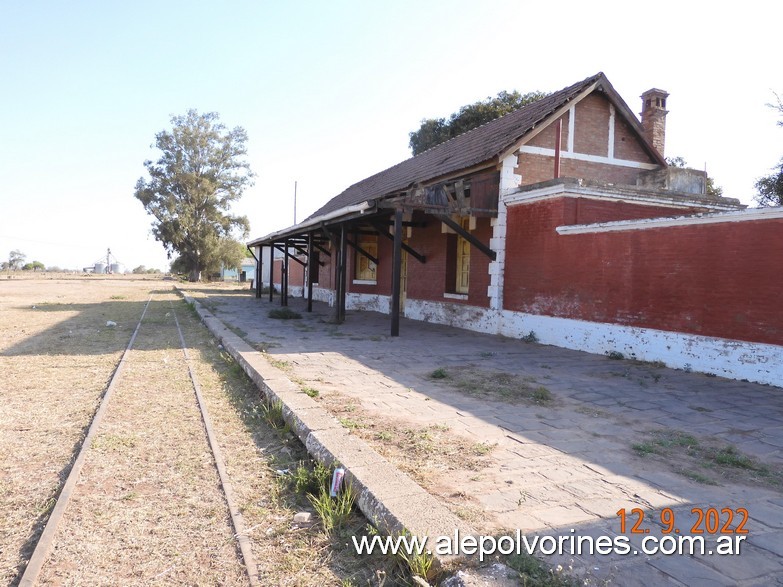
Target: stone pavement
[{"x": 562, "y": 470}]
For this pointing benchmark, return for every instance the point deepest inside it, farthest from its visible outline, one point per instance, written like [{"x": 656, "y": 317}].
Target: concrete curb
[{"x": 387, "y": 497}]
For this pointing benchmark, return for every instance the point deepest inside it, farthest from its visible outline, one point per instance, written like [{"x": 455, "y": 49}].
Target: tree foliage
[
  {"x": 34, "y": 266},
  {"x": 434, "y": 131},
  {"x": 15, "y": 260},
  {"x": 769, "y": 189},
  {"x": 142, "y": 270},
  {"x": 228, "y": 253},
  {"x": 200, "y": 173}
]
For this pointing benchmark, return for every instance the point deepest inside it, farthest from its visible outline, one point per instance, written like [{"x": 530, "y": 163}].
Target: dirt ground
[{"x": 148, "y": 508}]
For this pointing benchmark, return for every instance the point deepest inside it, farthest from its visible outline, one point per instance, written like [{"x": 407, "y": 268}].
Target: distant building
[{"x": 246, "y": 272}]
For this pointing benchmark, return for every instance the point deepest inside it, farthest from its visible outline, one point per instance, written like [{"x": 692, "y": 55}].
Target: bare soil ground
[{"x": 148, "y": 508}]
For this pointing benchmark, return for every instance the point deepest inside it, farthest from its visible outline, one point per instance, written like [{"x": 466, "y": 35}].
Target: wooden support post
[
  {"x": 260, "y": 273},
  {"x": 271, "y": 271},
  {"x": 284, "y": 277},
  {"x": 343, "y": 274},
  {"x": 396, "y": 274},
  {"x": 310, "y": 259}
]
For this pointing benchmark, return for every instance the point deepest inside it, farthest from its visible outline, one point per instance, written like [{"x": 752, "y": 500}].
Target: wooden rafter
[{"x": 455, "y": 226}]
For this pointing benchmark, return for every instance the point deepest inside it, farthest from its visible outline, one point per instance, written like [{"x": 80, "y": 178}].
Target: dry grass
[
  {"x": 707, "y": 460},
  {"x": 433, "y": 455},
  {"x": 493, "y": 385},
  {"x": 56, "y": 357},
  {"x": 148, "y": 509},
  {"x": 149, "y": 506}
]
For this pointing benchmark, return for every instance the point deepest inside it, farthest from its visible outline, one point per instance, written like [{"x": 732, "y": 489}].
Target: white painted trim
[
  {"x": 365, "y": 282},
  {"x": 368, "y": 302},
  {"x": 610, "y": 146},
  {"x": 462, "y": 316},
  {"x": 571, "y": 127},
  {"x": 697, "y": 219},
  {"x": 545, "y": 124},
  {"x": 323, "y": 294},
  {"x": 736, "y": 359},
  {"x": 585, "y": 157},
  {"x": 455, "y": 296},
  {"x": 565, "y": 191}
]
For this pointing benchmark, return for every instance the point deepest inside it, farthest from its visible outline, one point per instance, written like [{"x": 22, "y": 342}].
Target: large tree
[
  {"x": 434, "y": 131},
  {"x": 769, "y": 189},
  {"x": 199, "y": 174},
  {"x": 15, "y": 260}
]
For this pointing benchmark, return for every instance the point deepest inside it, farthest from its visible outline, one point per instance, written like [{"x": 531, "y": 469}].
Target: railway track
[{"x": 149, "y": 455}]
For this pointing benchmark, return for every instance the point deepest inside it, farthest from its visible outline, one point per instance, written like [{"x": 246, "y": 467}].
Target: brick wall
[
  {"x": 591, "y": 137},
  {"x": 721, "y": 280},
  {"x": 295, "y": 273}
]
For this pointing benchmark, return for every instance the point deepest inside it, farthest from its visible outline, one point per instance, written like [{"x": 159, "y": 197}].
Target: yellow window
[
  {"x": 364, "y": 268},
  {"x": 463, "y": 260}
]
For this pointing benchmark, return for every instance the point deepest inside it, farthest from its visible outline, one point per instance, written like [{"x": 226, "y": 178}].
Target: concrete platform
[{"x": 564, "y": 469}]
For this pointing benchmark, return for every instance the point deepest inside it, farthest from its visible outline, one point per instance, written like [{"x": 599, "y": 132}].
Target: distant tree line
[
  {"x": 16, "y": 262},
  {"x": 769, "y": 189},
  {"x": 434, "y": 131}
]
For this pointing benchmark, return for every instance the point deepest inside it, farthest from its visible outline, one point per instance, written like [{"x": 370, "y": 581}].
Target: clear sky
[{"x": 328, "y": 92}]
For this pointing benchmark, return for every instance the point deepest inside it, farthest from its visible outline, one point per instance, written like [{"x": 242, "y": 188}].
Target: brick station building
[{"x": 562, "y": 219}]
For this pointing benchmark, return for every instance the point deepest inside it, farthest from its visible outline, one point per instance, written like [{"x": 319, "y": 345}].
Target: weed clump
[
  {"x": 439, "y": 373},
  {"x": 284, "y": 313}
]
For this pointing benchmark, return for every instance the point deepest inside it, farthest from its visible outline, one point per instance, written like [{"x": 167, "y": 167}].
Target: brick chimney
[{"x": 654, "y": 117}]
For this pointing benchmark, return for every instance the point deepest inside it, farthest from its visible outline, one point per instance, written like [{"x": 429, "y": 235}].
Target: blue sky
[{"x": 328, "y": 92}]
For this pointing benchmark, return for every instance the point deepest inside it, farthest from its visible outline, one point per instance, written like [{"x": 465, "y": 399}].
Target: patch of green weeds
[
  {"x": 272, "y": 413},
  {"x": 279, "y": 363},
  {"x": 439, "y": 373},
  {"x": 702, "y": 461},
  {"x": 118, "y": 298},
  {"x": 731, "y": 457},
  {"x": 284, "y": 313},
  {"x": 350, "y": 424},
  {"x": 535, "y": 573},
  {"x": 310, "y": 478},
  {"x": 417, "y": 563},
  {"x": 334, "y": 512},
  {"x": 483, "y": 448},
  {"x": 541, "y": 394},
  {"x": 494, "y": 385},
  {"x": 311, "y": 392},
  {"x": 383, "y": 435}
]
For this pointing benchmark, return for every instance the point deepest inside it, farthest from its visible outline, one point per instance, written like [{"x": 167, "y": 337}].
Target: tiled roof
[{"x": 474, "y": 147}]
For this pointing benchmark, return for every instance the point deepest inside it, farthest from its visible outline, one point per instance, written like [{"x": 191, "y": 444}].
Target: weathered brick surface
[{"x": 709, "y": 279}]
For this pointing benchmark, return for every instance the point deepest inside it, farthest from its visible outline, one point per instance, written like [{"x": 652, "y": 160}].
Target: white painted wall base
[
  {"x": 458, "y": 315},
  {"x": 368, "y": 302},
  {"x": 735, "y": 359},
  {"x": 322, "y": 294}
]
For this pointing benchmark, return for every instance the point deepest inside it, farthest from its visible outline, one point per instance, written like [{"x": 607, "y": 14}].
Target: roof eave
[{"x": 335, "y": 217}]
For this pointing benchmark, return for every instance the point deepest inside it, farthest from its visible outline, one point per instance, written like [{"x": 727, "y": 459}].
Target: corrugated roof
[{"x": 474, "y": 147}]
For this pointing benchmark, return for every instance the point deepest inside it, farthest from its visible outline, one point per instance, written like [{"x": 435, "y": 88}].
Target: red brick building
[{"x": 562, "y": 219}]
